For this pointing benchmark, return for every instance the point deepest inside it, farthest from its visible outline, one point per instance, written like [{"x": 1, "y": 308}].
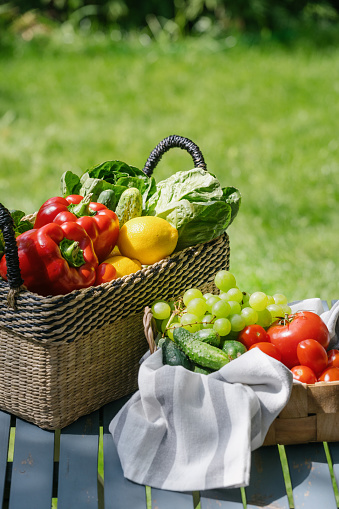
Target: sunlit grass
[{"x": 265, "y": 118}]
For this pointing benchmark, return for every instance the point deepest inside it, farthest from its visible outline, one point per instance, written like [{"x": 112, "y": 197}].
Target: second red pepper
[{"x": 101, "y": 224}]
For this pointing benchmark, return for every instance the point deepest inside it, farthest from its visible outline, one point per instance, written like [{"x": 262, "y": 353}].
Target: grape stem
[{"x": 178, "y": 309}]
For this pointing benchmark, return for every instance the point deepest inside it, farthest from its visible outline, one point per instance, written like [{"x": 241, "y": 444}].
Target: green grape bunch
[{"x": 228, "y": 312}]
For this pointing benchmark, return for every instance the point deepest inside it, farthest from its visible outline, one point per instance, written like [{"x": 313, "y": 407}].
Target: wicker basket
[
  {"x": 311, "y": 414},
  {"x": 65, "y": 356}
]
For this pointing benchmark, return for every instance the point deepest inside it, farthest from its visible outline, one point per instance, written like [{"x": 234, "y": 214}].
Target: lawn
[{"x": 264, "y": 116}]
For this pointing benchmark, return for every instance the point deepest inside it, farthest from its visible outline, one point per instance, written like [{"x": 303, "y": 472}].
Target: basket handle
[
  {"x": 171, "y": 142},
  {"x": 149, "y": 329},
  {"x": 14, "y": 278}
]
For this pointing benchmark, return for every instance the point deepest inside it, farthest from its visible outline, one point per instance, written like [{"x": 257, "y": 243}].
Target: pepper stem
[
  {"x": 72, "y": 253},
  {"x": 82, "y": 209}
]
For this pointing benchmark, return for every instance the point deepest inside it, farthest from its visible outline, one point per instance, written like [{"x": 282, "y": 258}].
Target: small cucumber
[
  {"x": 201, "y": 370},
  {"x": 173, "y": 356},
  {"x": 205, "y": 355},
  {"x": 108, "y": 199},
  {"x": 129, "y": 205},
  {"x": 233, "y": 348},
  {"x": 208, "y": 336}
]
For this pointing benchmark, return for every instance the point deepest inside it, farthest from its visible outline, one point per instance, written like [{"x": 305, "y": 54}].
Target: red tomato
[
  {"x": 304, "y": 374},
  {"x": 268, "y": 348},
  {"x": 253, "y": 334},
  {"x": 329, "y": 375},
  {"x": 310, "y": 353},
  {"x": 333, "y": 358},
  {"x": 287, "y": 334}
]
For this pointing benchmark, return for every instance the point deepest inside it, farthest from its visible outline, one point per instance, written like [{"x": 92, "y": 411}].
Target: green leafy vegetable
[
  {"x": 70, "y": 183},
  {"x": 115, "y": 176},
  {"x": 232, "y": 196},
  {"x": 19, "y": 225},
  {"x": 194, "y": 202}
]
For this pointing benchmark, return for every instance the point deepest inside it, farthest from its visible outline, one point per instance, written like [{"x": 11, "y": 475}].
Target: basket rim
[{"x": 115, "y": 283}]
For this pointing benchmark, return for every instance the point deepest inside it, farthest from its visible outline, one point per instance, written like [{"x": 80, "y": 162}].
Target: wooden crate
[{"x": 311, "y": 415}]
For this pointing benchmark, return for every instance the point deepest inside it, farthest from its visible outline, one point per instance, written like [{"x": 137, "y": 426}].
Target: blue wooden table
[
  {"x": 60, "y": 469},
  {"x": 63, "y": 466}
]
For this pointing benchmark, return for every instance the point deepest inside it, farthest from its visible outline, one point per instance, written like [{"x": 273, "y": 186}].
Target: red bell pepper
[
  {"x": 105, "y": 273},
  {"x": 101, "y": 223},
  {"x": 55, "y": 259}
]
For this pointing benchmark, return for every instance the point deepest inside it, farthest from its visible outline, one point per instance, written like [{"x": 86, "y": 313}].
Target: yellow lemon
[
  {"x": 123, "y": 265},
  {"x": 115, "y": 252},
  {"x": 149, "y": 239}
]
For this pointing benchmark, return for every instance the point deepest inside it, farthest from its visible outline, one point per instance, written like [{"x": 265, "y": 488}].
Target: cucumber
[
  {"x": 205, "y": 355},
  {"x": 108, "y": 199},
  {"x": 208, "y": 336},
  {"x": 233, "y": 348},
  {"x": 129, "y": 205},
  {"x": 173, "y": 356},
  {"x": 201, "y": 370}
]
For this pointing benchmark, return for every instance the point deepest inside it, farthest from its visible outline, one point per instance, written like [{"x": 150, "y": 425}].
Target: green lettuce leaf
[
  {"x": 194, "y": 202},
  {"x": 20, "y": 226},
  {"x": 70, "y": 183},
  {"x": 115, "y": 176}
]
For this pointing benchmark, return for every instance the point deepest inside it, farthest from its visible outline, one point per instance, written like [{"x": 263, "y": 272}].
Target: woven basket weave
[
  {"x": 62, "y": 357},
  {"x": 311, "y": 414}
]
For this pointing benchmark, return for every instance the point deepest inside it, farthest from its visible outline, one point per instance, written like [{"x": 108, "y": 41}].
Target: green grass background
[{"x": 265, "y": 117}]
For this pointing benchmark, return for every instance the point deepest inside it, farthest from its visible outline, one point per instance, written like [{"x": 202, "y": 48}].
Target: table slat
[
  {"x": 221, "y": 499},
  {"x": 310, "y": 476},
  {"x": 5, "y": 427},
  {"x": 120, "y": 493},
  {"x": 32, "y": 471},
  {"x": 267, "y": 486},
  {"x": 162, "y": 499},
  {"x": 78, "y": 464}
]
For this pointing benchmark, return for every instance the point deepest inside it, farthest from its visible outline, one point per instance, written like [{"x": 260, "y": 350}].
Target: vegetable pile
[
  {"x": 204, "y": 332},
  {"x": 113, "y": 220},
  {"x": 192, "y": 201}
]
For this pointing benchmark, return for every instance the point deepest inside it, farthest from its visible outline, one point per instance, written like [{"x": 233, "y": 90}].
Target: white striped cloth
[{"x": 184, "y": 431}]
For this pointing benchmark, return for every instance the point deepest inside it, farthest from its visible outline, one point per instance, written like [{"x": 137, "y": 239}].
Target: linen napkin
[{"x": 185, "y": 431}]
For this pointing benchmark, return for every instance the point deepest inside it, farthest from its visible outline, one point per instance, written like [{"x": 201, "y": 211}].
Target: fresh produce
[
  {"x": 122, "y": 266},
  {"x": 253, "y": 334},
  {"x": 106, "y": 272},
  {"x": 115, "y": 176},
  {"x": 333, "y": 358},
  {"x": 312, "y": 354},
  {"x": 329, "y": 375},
  {"x": 208, "y": 336},
  {"x": 129, "y": 205},
  {"x": 147, "y": 239},
  {"x": 304, "y": 374},
  {"x": 201, "y": 370},
  {"x": 195, "y": 204},
  {"x": 55, "y": 259},
  {"x": 232, "y": 321},
  {"x": 200, "y": 353},
  {"x": 100, "y": 223},
  {"x": 233, "y": 348},
  {"x": 20, "y": 225},
  {"x": 216, "y": 320},
  {"x": 192, "y": 201},
  {"x": 287, "y": 333},
  {"x": 174, "y": 356},
  {"x": 268, "y": 348}
]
